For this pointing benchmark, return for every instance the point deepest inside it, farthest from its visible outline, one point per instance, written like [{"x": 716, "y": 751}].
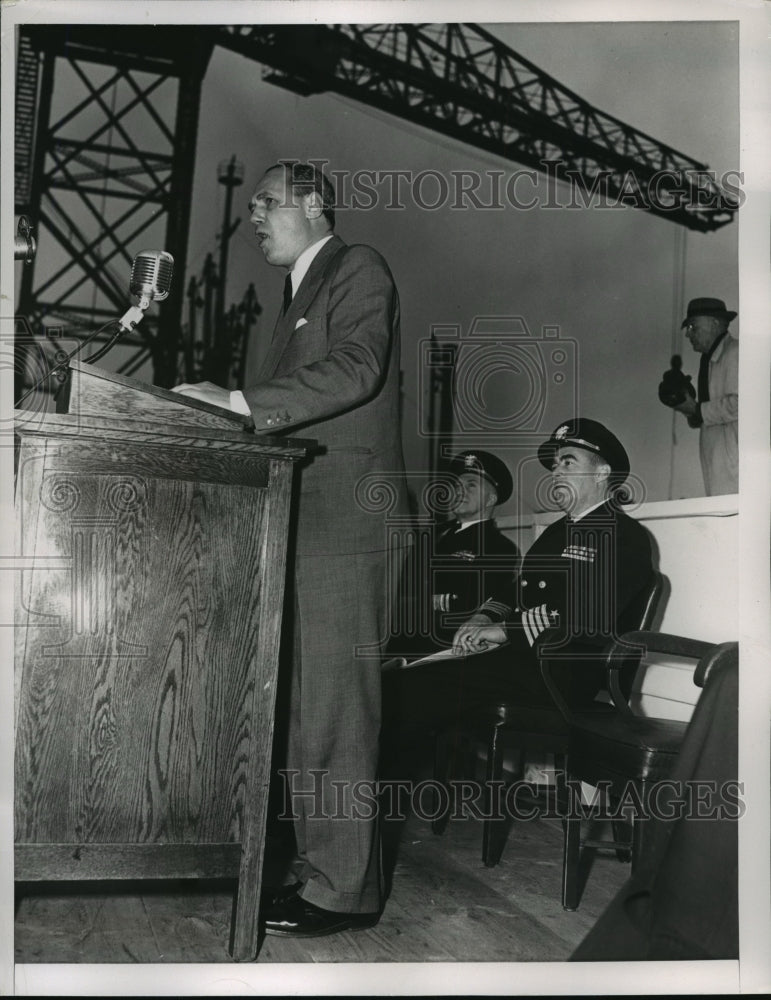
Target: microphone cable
[
  {"x": 107, "y": 346},
  {"x": 68, "y": 357},
  {"x": 150, "y": 281}
]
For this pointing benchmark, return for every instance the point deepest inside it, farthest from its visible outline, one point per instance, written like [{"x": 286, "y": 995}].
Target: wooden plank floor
[{"x": 443, "y": 906}]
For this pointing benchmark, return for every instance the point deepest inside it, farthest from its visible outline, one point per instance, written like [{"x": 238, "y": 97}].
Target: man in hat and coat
[
  {"x": 581, "y": 581},
  {"x": 716, "y": 412}
]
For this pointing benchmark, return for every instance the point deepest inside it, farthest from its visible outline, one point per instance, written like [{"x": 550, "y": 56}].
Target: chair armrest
[
  {"x": 613, "y": 657},
  {"x": 629, "y": 649},
  {"x": 633, "y": 646},
  {"x": 626, "y": 652},
  {"x": 719, "y": 658},
  {"x": 661, "y": 642}
]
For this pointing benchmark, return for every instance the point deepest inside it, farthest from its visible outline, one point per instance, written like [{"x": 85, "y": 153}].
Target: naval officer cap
[
  {"x": 484, "y": 463},
  {"x": 591, "y": 436}
]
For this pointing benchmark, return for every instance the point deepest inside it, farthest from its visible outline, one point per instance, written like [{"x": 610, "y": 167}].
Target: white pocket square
[{"x": 300, "y": 322}]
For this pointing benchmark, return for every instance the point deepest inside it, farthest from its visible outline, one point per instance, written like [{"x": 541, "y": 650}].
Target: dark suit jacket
[{"x": 332, "y": 374}]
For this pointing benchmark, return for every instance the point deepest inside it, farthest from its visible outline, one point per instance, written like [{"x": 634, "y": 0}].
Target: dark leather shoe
[
  {"x": 272, "y": 895},
  {"x": 294, "y": 917}
]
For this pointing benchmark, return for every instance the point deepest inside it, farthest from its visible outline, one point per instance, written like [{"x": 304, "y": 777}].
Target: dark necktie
[
  {"x": 287, "y": 292},
  {"x": 703, "y": 379}
]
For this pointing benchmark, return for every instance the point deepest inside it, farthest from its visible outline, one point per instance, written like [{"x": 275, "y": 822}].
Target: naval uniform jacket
[
  {"x": 470, "y": 565},
  {"x": 577, "y": 588},
  {"x": 446, "y": 580}
]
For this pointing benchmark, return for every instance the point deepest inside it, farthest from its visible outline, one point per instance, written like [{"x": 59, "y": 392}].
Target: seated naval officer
[
  {"x": 470, "y": 560},
  {"x": 578, "y": 583},
  {"x": 579, "y": 580}
]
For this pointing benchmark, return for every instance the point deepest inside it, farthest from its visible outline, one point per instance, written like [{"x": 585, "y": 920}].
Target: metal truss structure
[
  {"x": 462, "y": 81},
  {"x": 110, "y": 158},
  {"x": 88, "y": 96}
]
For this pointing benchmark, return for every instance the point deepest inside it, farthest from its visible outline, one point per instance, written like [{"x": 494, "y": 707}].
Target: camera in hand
[{"x": 675, "y": 387}]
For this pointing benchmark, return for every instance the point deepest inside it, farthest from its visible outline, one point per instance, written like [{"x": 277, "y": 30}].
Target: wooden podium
[{"x": 151, "y": 542}]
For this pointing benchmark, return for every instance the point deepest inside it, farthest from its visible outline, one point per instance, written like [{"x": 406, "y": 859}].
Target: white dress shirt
[{"x": 298, "y": 272}]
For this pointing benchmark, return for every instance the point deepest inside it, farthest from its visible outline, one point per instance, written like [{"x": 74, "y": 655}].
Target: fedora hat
[{"x": 708, "y": 307}]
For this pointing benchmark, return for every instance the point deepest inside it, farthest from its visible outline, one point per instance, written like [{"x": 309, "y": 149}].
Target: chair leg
[
  {"x": 494, "y": 825},
  {"x": 442, "y": 776},
  {"x": 623, "y": 837},
  {"x": 640, "y": 828},
  {"x": 560, "y": 786},
  {"x": 571, "y": 850}
]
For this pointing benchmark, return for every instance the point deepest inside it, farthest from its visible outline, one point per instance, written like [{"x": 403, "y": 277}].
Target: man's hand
[
  {"x": 477, "y": 634},
  {"x": 206, "y": 391},
  {"x": 688, "y": 406}
]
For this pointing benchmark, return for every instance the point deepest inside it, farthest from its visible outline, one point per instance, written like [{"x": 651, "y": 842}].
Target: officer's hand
[{"x": 477, "y": 634}]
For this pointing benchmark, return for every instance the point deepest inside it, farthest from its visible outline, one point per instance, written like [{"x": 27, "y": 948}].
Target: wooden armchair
[{"x": 621, "y": 752}]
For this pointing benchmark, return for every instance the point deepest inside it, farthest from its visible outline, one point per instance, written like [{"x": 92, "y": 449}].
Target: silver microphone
[
  {"x": 151, "y": 275},
  {"x": 150, "y": 282}
]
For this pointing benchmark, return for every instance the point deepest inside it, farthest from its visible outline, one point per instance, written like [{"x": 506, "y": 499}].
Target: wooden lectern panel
[
  {"x": 134, "y": 720},
  {"x": 152, "y": 561},
  {"x": 91, "y": 391}
]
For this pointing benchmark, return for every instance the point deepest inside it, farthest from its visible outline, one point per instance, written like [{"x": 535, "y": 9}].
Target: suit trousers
[{"x": 339, "y": 628}]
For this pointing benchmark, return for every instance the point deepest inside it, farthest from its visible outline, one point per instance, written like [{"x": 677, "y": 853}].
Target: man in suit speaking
[{"x": 331, "y": 373}]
